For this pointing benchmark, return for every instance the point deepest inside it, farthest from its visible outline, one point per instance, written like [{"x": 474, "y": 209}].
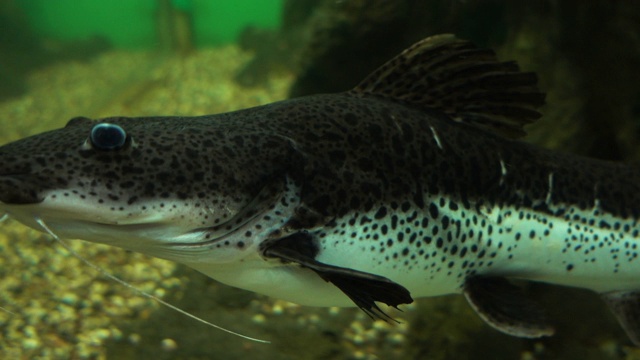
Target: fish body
[{"x": 413, "y": 184}]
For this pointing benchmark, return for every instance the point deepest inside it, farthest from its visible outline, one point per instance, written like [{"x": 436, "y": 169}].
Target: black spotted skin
[
  {"x": 392, "y": 189},
  {"x": 177, "y": 159}
]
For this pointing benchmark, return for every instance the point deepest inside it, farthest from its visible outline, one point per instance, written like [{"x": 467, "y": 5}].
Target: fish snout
[{"x": 18, "y": 190}]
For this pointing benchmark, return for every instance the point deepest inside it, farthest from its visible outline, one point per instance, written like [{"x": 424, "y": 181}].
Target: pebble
[{"x": 169, "y": 345}]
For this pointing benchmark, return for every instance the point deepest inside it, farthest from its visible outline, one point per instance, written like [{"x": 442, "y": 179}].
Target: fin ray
[
  {"x": 503, "y": 306},
  {"x": 466, "y": 83},
  {"x": 364, "y": 289},
  {"x": 625, "y": 305}
]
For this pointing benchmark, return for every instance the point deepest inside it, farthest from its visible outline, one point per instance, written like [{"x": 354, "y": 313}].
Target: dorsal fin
[{"x": 468, "y": 84}]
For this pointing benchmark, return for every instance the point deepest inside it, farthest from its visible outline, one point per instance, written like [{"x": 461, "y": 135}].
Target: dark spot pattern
[{"x": 406, "y": 190}]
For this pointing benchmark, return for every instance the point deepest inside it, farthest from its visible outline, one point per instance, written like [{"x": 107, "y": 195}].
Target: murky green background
[{"x": 162, "y": 57}]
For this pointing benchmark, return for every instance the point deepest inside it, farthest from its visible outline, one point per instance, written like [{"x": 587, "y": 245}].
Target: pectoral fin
[
  {"x": 503, "y": 306},
  {"x": 625, "y": 305},
  {"x": 362, "y": 288}
]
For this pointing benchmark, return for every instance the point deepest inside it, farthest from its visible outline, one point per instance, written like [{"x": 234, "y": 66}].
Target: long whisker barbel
[{"x": 140, "y": 292}]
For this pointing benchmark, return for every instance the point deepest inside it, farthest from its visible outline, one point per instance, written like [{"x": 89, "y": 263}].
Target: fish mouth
[{"x": 18, "y": 189}]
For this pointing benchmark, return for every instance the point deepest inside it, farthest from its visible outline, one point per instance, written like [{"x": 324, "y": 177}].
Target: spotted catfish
[{"x": 413, "y": 184}]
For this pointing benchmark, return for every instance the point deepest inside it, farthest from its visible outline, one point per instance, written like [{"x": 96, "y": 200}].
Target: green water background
[{"x": 132, "y": 24}]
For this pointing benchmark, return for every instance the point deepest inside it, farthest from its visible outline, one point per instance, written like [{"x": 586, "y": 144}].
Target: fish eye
[{"x": 105, "y": 136}]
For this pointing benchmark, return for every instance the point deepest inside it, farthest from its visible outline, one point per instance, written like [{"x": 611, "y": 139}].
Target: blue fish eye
[{"x": 105, "y": 136}]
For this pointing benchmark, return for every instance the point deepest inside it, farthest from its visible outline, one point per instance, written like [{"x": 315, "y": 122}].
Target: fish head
[{"x": 168, "y": 187}]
